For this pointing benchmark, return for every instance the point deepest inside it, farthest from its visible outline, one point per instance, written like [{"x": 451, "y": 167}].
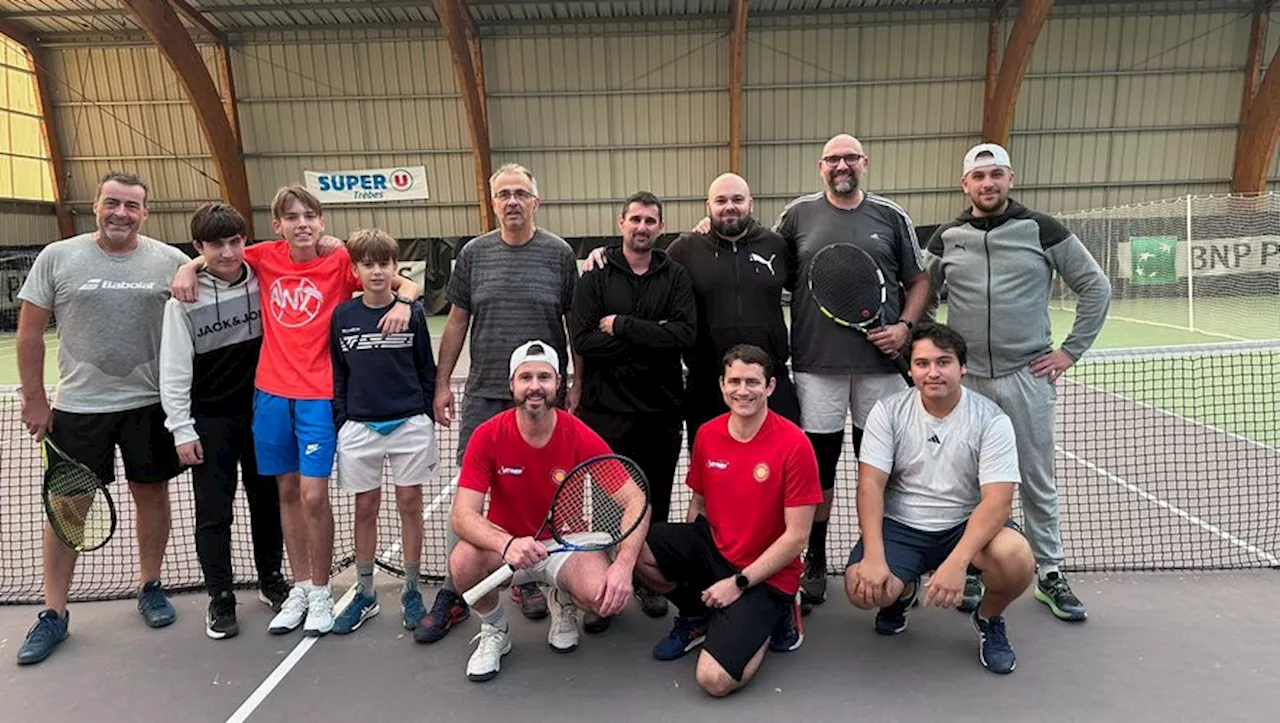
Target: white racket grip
[{"x": 485, "y": 586}]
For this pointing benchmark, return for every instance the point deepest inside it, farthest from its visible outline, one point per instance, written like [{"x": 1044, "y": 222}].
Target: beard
[
  {"x": 843, "y": 185},
  {"x": 730, "y": 227},
  {"x": 548, "y": 403},
  {"x": 992, "y": 207}
]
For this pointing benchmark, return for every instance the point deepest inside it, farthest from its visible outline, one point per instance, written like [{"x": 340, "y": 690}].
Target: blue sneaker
[
  {"x": 413, "y": 609},
  {"x": 788, "y": 635},
  {"x": 44, "y": 636},
  {"x": 362, "y": 608},
  {"x": 686, "y": 634},
  {"x": 154, "y": 605},
  {"x": 994, "y": 649},
  {"x": 892, "y": 619}
]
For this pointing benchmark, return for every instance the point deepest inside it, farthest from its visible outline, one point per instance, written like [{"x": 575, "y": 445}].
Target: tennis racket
[
  {"x": 599, "y": 503},
  {"x": 76, "y": 500},
  {"x": 848, "y": 287}
]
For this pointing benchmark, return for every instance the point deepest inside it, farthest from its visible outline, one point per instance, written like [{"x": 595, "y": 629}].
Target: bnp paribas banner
[
  {"x": 1155, "y": 260},
  {"x": 370, "y": 185}
]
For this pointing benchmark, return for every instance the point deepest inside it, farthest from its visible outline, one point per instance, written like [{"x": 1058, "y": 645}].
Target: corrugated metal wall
[
  {"x": 27, "y": 224},
  {"x": 1114, "y": 109}
]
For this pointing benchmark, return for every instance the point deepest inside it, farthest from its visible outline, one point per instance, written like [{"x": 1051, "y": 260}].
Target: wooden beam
[
  {"x": 1258, "y": 133},
  {"x": 1253, "y": 61},
  {"x": 158, "y": 19},
  {"x": 993, "y": 53},
  {"x": 737, "y": 68},
  {"x": 453, "y": 15},
  {"x": 18, "y": 32},
  {"x": 200, "y": 20},
  {"x": 998, "y": 115}
]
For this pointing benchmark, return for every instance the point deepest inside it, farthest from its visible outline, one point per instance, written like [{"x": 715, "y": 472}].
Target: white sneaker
[
  {"x": 319, "y": 612},
  {"x": 292, "y": 612},
  {"x": 485, "y": 663},
  {"x": 562, "y": 635}
]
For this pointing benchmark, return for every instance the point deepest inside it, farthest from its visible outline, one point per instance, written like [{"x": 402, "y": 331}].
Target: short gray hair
[{"x": 514, "y": 168}]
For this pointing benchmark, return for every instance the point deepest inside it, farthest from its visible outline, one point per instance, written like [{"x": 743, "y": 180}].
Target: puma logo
[{"x": 768, "y": 264}]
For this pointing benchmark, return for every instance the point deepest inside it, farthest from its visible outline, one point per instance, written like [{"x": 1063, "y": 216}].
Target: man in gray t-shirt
[
  {"x": 107, "y": 290},
  {"x": 839, "y": 371},
  {"x": 509, "y": 286},
  {"x": 937, "y": 472}
]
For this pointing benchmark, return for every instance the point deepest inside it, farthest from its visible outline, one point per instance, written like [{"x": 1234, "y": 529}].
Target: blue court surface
[{"x": 1157, "y": 647}]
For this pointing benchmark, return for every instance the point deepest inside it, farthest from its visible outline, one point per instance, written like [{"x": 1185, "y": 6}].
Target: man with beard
[
  {"x": 517, "y": 458},
  {"x": 632, "y": 320},
  {"x": 108, "y": 290},
  {"x": 997, "y": 260},
  {"x": 509, "y": 284},
  {"x": 839, "y": 371}
]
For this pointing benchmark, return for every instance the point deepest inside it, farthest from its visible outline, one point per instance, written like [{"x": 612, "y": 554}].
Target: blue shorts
[
  {"x": 910, "y": 552},
  {"x": 293, "y": 435}
]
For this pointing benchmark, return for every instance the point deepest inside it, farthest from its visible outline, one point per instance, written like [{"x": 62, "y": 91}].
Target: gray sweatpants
[{"x": 1029, "y": 402}]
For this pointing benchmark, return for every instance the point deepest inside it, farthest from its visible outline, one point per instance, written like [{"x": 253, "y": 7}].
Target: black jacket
[
  {"x": 739, "y": 288},
  {"x": 637, "y": 368}
]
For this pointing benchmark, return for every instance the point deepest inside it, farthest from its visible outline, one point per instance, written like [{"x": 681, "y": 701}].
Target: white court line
[
  {"x": 1178, "y": 511},
  {"x": 295, "y": 656}
]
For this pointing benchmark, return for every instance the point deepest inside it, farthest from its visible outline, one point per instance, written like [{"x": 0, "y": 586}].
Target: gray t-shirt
[
  {"x": 109, "y": 309},
  {"x": 937, "y": 466},
  {"x": 881, "y": 228},
  {"x": 514, "y": 294}
]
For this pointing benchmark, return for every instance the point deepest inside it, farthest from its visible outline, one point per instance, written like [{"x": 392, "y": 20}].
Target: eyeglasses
[
  {"x": 519, "y": 195},
  {"x": 848, "y": 158}
]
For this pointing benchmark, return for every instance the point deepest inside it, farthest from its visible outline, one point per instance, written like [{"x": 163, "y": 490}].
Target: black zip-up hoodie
[
  {"x": 739, "y": 288},
  {"x": 635, "y": 370}
]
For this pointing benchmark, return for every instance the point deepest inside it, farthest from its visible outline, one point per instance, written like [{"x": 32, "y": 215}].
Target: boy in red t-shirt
[
  {"x": 517, "y": 458},
  {"x": 733, "y": 569},
  {"x": 293, "y": 433}
]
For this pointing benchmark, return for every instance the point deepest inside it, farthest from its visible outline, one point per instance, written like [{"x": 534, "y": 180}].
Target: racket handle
[
  {"x": 904, "y": 368},
  {"x": 485, "y": 586}
]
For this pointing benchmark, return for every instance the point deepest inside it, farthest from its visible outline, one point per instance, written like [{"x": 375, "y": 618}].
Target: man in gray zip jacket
[{"x": 997, "y": 260}]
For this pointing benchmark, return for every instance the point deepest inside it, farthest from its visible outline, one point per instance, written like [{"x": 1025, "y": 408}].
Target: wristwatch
[
  {"x": 404, "y": 300},
  {"x": 741, "y": 581},
  {"x": 910, "y": 326}
]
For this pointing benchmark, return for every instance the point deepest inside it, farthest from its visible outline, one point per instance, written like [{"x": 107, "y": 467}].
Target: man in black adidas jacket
[{"x": 633, "y": 319}]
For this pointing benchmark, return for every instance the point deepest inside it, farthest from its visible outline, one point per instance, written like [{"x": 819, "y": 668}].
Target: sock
[
  {"x": 1045, "y": 571},
  {"x": 495, "y": 617},
  {"x": 365, "y": 570},
  {"x": 411, "y": 575},
  {"x": 818, "y": 542},
  {"x": 306, "y": 586}
]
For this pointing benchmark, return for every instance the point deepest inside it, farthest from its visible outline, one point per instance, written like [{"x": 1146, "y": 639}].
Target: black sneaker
[
  {"x": 593, "y": 623},
  {"x": 1055, "y": 592},
  {"x": 813, "y": 584},
  {"x": 994, "y": 649},
  {"x": 273, "y": 590},
  {"x": 892, "y": 619},
  {"x": 531, "y": 599},
  {"x": 49, "y": 630},
  {"x": 788, "y": 634},
  {"x": 448, "y": 610},
  {"x": 220, "y": 622},
  {"x": 652, "y": 603},
  {"x": 974, "y": 590}
]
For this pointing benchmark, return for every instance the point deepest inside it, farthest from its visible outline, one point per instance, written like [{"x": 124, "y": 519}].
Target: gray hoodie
[{"x": 998, "y": 272}]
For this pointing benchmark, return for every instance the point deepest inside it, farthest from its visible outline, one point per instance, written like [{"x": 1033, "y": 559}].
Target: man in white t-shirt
[{"x": 937, "y": 473}]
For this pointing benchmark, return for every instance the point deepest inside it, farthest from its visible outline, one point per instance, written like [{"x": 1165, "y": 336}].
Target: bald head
[
  {"x": 842, "y": 165},
  {"x": 729, "y": 205}
]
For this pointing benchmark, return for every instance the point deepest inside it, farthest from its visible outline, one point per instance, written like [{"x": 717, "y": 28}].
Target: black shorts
[
  {"x": 911, "y": 552},
  {"x": 145, "y": 445},
  {"x": 687, "y": 556}
]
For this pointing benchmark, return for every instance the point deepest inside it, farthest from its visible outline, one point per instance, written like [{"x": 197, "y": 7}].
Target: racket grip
[
  {"x": 485, "y": 586},
  {"x": 904, "y": 368}
]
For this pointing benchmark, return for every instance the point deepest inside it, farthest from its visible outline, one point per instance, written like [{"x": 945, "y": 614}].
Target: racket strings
[
  {"x": 846, "y": 282},
  {"x": 600, "y": 499},
  {"x": 77, "y": 506}
]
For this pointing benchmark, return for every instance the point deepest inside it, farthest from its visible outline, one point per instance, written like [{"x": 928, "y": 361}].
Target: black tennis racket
[
  {"x": 848, "y": 287},
  {"x": 76, "y": 500},
  {"x": 599, "y": 503}
]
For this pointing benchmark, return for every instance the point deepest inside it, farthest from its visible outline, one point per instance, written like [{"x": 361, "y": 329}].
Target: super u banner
[{"x": 404, "y": 183}]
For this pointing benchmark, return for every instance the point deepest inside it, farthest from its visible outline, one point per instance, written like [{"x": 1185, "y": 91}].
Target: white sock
[
  {"x": 1047, "y": 570},
  {"x": 306, "y": 586},
  {"x": 495, "y": 617}
]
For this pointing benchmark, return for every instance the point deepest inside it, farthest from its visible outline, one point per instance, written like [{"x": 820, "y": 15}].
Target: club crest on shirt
[
  {"x": 761, "y": 472},
  {"x": 558, "y": 474}
]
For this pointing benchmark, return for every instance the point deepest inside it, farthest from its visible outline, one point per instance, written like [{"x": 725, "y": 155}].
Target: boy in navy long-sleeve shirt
[{"x": 383, "y": 387}]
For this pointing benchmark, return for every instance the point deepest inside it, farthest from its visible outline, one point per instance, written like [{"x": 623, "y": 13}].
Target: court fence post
[{"x": 1191, "y": 295}]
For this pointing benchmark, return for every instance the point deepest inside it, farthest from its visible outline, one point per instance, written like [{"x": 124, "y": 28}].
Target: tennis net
[{"x": 1167, "y": 459}]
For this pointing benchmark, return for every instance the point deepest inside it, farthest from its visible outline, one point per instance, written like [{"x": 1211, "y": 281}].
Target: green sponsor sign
[{"x": 1153, "y": 260}]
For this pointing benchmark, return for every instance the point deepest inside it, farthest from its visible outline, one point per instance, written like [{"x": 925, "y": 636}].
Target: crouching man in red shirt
[{"x": 733, "y": 568}]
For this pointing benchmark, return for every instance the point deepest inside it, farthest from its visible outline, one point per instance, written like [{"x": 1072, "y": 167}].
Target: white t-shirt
[{"x": 937, "y": 466}]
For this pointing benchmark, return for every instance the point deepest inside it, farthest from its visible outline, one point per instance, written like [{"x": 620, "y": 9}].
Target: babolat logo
[
  {"x": 229, "y": 323},
  {"x": 95, "y": 284}
]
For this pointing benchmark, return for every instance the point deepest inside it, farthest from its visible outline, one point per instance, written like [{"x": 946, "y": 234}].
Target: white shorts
[
  {"x": 411, "y": 449},
  {"x": 547, "y": 572},
  {"x": 826, "y": 398}
]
